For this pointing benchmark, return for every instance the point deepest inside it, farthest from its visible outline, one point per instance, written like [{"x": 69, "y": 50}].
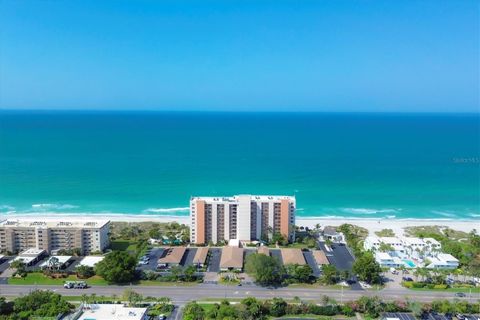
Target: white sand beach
[{"x": 372, "y": 225}]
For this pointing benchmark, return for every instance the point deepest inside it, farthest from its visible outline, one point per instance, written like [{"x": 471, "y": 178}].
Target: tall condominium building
[
  {"x": 53, "y": 235},
  {"x": 242, "y": 217}
]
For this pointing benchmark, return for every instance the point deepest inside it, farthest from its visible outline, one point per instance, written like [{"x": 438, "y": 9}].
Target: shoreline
[{"x": 371, "y": 224}]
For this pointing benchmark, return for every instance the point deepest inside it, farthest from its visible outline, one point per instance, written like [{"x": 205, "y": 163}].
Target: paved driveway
[
  {"x": 339, "y": 256},
  {"x": 187, "y": 259},
  {"x": 308, "y": 255},
  {"x": 277, "y": 254},
  {"x": 214, "y": 264}
]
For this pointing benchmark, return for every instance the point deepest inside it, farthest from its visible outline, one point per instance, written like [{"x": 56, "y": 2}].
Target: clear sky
[{"x": 240, "y": 55}]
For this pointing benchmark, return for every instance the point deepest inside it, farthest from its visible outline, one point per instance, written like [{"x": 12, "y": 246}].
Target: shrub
[{"x": 440, "y": 286}]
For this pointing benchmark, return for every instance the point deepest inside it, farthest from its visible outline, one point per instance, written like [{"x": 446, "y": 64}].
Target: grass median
[{"x": 38, "y": 278}]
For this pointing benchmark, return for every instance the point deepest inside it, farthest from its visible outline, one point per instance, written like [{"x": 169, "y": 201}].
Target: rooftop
[
  {"x": 320, "y": 257},
  {"x": 61, "y": 260},
  {"x": 235, "y": 198},
  {"x": 32, "y": 252},
  {"x": 264, "y": 250},
  {"x": 173, "y": 255},
  {"x": 383, "y": 256},
  {"x": 446, "y": 257},
  {"x": 232, "y": 257},
  {"x": 200, "y": 256},
  {"x": 91, "y": 261},
  {"x": 329, "y": 230},
  {"x": 112, "y": 312},
  {"x": 52, "y": 223},
  {"x": 292, "y": 256}
]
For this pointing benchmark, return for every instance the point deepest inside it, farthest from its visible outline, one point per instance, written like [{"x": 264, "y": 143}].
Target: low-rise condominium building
[{"x": 244, "y": 217}]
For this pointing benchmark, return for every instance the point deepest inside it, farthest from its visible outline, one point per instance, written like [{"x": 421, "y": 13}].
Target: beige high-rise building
[
  {"x": 242, "y": 217},
  {"x": 53, "y": 235}
]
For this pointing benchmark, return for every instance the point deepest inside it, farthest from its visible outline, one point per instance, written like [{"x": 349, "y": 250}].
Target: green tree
[
  {"x": 132, "y": 297},
  {"x": 20, "y": 268},
  {"x": 190, "y": 273},
  {"x": 368, "y": 269},
  {"x": 40, "y": 303},
  {"x": 265, "y": 269},
  {"x": 278, "y": 308},
  {"x": 5, "y": 307},
  {"x": 84, "y": 272},
  {"x": 329, "y": 274},
  {"x": 154, "y": 234},
  {"x": 117, "y": 267},
  {"x": 193, "y": 311},
  {"x": 253, "y": 309},
  {"x": 280, "y": 239},
  {"x": 302, "y": 274}
]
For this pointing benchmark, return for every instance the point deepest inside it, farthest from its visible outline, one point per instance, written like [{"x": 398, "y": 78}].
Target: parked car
[
  {"x": 460, "y": 316},
  {"x": 407, "y": 279},
  {"x": 75, "y": 285}
]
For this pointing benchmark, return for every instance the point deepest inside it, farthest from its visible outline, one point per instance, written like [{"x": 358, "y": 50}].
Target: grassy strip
[
  {"x": 37, "y": 278},
  {"x": 466, "y": 290}
]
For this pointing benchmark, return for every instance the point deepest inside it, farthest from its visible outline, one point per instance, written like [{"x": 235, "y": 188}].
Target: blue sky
[{"x": 240, "y": 55}]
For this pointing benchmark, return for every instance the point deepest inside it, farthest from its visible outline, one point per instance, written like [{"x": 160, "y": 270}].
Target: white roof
[
  {"x": 413, "y": 240},
  {"x": 446, "y": 257},
  {"x": 53, "y": 223},
  {"x": 25, "y": 259},
  {"x": 431, "y": 240},
  {"x": 390, "y": 240},
  {"x": 91, "y": 261},
  {"x": 112, "y": 312},
  {"x": 234, "y": 243},
  {"x": 264, "y": 198},
  {"x": 383, "y": 256},
  {"x": 61, "y": 260},
  {"x": 32, "y": 252}
]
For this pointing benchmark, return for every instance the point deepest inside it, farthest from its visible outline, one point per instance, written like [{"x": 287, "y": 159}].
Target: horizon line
[{"x": 237, "y": 111}]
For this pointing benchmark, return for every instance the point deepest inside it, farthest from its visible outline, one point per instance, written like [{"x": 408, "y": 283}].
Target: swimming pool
[{"x": 409, "y": 263}]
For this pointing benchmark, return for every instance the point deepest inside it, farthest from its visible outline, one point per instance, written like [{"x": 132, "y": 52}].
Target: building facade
[
  {"x": 242, "y": 217},
  {"x": 53, "y": 235}
]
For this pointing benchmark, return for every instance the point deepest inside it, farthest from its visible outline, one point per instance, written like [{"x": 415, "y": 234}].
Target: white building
[
  {"x": 385, "y": 260},
  {"x": 111, "y": 312},
  {"x": 90, "y": 261},
  {"x": 53, "y": 235},
  {"x": 409, "y": 251},
  {"x": 243, "y": 217},
  {"x": 443, "y": 261}
]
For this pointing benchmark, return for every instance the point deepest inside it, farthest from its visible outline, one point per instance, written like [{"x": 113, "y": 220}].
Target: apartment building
[
  {"x": 242, "y": 217},
  {"x": 53, "y": 235}
]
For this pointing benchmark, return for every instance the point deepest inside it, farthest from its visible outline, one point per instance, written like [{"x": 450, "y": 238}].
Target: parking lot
[
  {"x": 398, "y": 315},
  {"x": 339, "y": 256},
  {"x": 154, "y": 255}
]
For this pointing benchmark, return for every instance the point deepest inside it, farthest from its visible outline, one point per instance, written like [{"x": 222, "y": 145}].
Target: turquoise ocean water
[{"x": 418, "y": 166}]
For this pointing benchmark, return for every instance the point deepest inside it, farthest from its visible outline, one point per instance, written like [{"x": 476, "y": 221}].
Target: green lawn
[
  {"x": 122, "y": 245},
  {"x": 165, "y": 283},
  {"x": 38, "y": 278},
  {"x": 466, "y": 290},
  {"x": 317, "y": 285}
]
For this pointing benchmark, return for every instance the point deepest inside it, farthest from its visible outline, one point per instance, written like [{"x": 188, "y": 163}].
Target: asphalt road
[{"x": 183, "y": 294}]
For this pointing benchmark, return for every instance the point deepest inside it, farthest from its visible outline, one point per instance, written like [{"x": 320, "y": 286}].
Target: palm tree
[
  {"x": 416, "y": 273},
  {"x": 84, "y": 299}
]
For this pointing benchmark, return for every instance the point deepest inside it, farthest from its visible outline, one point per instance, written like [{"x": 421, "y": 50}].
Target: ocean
[{"x": 338, "y": 165}]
